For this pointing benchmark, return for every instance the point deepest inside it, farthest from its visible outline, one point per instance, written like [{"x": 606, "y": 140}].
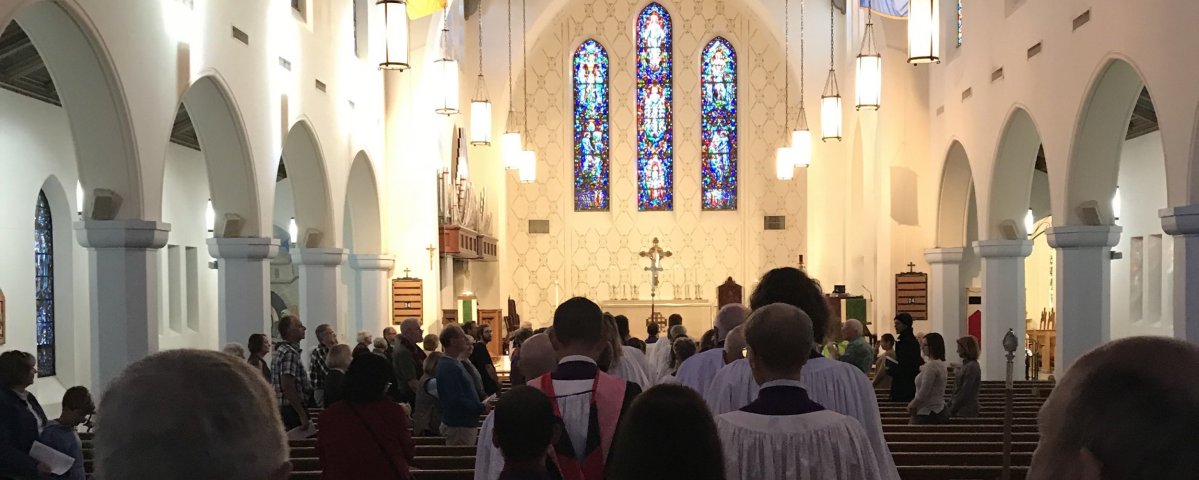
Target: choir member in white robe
[
  {"x": 658, "y": 353},
  {"x": 783, "y": 434},
  {"x": 633, "y": 367},
  {"x": 536, "y": 359},
  {"x": 698, "y": 371}
]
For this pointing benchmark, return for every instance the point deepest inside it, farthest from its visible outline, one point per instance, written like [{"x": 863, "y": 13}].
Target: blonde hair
[
  {"x": 339, "y": 357},
  {"x": 969, "y": 347},
  {"x": 170, "y": 414},
  {"x": 430, "y": 365}
]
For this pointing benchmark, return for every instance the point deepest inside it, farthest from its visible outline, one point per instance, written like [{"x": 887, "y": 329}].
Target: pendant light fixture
[
  {"x": 446, "y": 71},
  {"x": 511, "y": 142},
  {"x": 784, "y": 159},
  {"x": 480, "y": 105},
  {"x": 801, "y": 137},
  {"x": 528, "y": 164},
  {"x": 830, "y": 100},
  {"x": 870, "y": 68},
  {"x": 395, "y": 28},
  {"x": 924, "y": 31}
]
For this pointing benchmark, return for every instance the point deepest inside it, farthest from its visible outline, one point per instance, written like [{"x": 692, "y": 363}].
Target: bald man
[
  {"x": 1126, "y": 410},
  {"x": 697, "y": 371},
  {"x": 537, "y": 358},
  {"x": 734, "y": 345},
  {"x": 190, "y": 415},
  {"x": 857, "y": 352}
]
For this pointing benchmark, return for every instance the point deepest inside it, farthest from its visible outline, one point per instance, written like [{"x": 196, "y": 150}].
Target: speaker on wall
[
  {"x": 105, "y": 204},
  {"x": 1008, "y": 229},
  {"x": 312, "y": 238},
  {"x": 232, "y": 225},
  {"x": 1089, "y": 213}
]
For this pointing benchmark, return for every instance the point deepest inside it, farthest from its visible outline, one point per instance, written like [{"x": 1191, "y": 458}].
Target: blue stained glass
[
  {"x": 718, "y": 125},
  {"x": 655, "y": 134},
  {"x": 591, "y": 156},
  {"x": 43, "y": 271}
]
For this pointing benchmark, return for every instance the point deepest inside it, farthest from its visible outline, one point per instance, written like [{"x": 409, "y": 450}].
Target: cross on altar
[
  {"x": 407, "y": 273},
  {"x": 655, "y": 255},
  {"x": 911, "y": 267}
]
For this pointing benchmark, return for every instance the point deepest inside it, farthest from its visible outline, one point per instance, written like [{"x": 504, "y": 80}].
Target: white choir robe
[
  {"x": 658, "y": 354},
  {"x": 697, "y": 372},
  {"x": 633, "y": 368},
  {"x": 838, "y": 386},
  {"x": 822, "y": 445},
  {"x": 489, "y": 461}
]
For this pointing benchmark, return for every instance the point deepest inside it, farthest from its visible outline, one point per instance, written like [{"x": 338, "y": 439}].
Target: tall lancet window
[
  {"x": 43, "y": 284},
  {"x": 718, "y": 126},
  {"x": 591, "y": 127},
  {"x": 655, "y": 134}
]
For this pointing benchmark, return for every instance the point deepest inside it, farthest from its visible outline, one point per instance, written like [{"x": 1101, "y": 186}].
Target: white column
[
  {"x": 318, "y": 288},
  {"x": 1003, "y": 302},
  {"x": 1084, "y": 286},
  {"x": 371, "y": 294},
  {"x": 244, "y": 286},
  {"x": 1183, "y": 224},
  {"x": 124, "y": 292},
  {"x": 946, "y": 309}
]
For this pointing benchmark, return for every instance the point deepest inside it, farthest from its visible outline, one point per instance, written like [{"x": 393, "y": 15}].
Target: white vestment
[
  {"x": 697, "y": 372},
  {"x": 838, "y": 386},
  {"x": 489, "y": 461},
  {"x": 633, "y": 368},
  {"x": 821, "y": 445},
  {"x": 658, "y": 354}
]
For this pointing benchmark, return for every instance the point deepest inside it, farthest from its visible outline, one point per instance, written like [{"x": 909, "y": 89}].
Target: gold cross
[{"x": 432, "y": 251}]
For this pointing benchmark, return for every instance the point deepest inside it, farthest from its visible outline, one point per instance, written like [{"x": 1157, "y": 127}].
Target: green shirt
[{"x": 859, "y": 354}]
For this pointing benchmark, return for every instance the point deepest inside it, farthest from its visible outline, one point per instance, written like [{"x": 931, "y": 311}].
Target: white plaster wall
[
  {"x": 186, "y": 193},
  {"x": 1141, "y": 175}
]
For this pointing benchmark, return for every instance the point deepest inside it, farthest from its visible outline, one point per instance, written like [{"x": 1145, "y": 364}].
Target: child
[
  {"x": 525, "y": 427},
  {"x": 60, "y": 435}
]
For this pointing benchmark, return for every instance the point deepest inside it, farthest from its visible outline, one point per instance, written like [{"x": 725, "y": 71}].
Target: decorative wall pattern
[{"x": 586, "y": 253}]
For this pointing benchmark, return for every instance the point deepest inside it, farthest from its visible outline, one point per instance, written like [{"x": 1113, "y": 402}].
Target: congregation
[{"x": 763, "y": 403}]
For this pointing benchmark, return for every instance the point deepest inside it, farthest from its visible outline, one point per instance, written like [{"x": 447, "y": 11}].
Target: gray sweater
[
  {"x": 930, "y": 387},
  {"x": 965, "y": 392}
]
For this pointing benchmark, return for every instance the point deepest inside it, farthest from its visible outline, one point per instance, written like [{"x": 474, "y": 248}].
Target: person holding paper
[
  {"x": 21, "y": 416},
  {"x": 59, "y": 434}
]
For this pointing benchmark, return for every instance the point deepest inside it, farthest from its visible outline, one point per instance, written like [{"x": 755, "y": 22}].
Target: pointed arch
[
  {"x": 956, "y": 198},
  {"x": 1012, "y": 176},
  {"x": 362, "y": 208},
  {"x": 655, "y": 100},
  {"x": 592, "y": 167},
  {"x": 310, "y": 184},
  {"x": 718, "y": 125}
]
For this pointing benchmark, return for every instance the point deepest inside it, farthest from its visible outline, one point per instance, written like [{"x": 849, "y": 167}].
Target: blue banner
[{"x": 890, "y": 8}]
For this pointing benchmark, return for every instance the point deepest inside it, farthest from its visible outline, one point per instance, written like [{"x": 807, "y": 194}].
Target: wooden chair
[{"x": 729, "y": 292}]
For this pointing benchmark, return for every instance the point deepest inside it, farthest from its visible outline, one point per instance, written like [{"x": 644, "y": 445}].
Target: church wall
[
  {"x": 185, "y": 186},
  {"x": 1141, "y": 174},
  {"x": 587, "y": 252}
]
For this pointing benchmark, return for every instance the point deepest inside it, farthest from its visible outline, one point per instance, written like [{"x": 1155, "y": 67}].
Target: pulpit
[{"x": 729, "y": 292}]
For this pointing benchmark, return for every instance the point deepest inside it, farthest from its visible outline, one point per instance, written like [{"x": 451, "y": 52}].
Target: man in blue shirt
[
  {"x": 60, "y": 435},
  {"x": 460, "y": 405}
]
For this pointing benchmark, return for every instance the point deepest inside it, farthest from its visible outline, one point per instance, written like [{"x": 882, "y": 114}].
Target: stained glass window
[
  {"x": 655, "y": 135},
  {"x": 718, "y": 125},
  {"x": 959, "y": 22},
  {"x": 591, "y": 127},
  {"x": 43, "y": 266}
]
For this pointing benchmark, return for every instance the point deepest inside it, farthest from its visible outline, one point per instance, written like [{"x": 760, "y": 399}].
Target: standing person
[
  {"x": 259, "y": 346},
  {"x": 518, "y": 339},
  {"x": 784, "y": 434},
  {"x": 928, "y": 405},
  {"x": 707, "y": 341},
  {"x": 292, "y": 389},
  {"x": 589, "y": 401},
  {"x": 857, "y": 352},
  {"x": 884, "y": 362},
  {"x": 389, "y": 335},
  {"x": 426, "y": 412},
  {"x": 365, "y": 340},
  {"x": 21, "y": 416},
  {"x": 408, "y": 360},
  {"x": 431, "y": 344},
  {"x": 651, "y": 333},
  {"x": 59, "y": 434},
  {"x": 366, "y": 435},
  {"x": 698, "y": 371},
  {"x": 525, "y": 428},
  {"x": 538, "y": 353},
  {"x": 623, "y": 361},
  {"x": 968, "y": 382},
  {"x": 481, "y": 359},
  {"x": 326, "y": 338},
  {"x": 456, "y": 393},
  {"x": 907, "y": 355},
  {"x": 338, "y": 362},
  {"x": 659, "y": 353},
  {"x": 622, "y": 328},
  {"x": 667, "y": 421},
  {"x": 684, "y": 348}
]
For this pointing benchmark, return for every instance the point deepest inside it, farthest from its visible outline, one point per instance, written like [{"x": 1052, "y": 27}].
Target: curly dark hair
[{"x": 794, "y": 287}]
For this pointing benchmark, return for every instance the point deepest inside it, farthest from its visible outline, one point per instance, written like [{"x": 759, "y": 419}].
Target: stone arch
[
  {"x": 956, "y": 198},
  {"x": 1012, "y": 177},
  {"x": 310, "y": 184},
  {"x": 86, "y": 80},
  {"x": 364, "y": 218},
  {"x": 222, "y": 134},
  {"x": 1099, "y": 137}
]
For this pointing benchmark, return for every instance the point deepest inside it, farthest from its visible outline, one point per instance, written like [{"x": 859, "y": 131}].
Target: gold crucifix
[
  {"x": 432, "y": 253},
  {"x": 655, "y": 255}
]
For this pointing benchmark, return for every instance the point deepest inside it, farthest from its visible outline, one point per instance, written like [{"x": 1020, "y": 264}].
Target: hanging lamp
[
  {"x": 830, "y": 100},
  {"x": 801, "y": 137},
  {"x": 784, "y": 159},
  {"x": 446, "y": 71},
  {"x": 480, "y": 105},
  {"x": 511, "y": 142},
  {"x": 395, "y": 28},
  {"x": 528, "y": 164},
  {"x": 924, "y": 31},
  {"x": 870, "y": 68}
]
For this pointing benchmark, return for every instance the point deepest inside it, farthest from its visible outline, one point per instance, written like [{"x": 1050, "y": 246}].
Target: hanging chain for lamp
[
  {"x": 480, "y": 104},
  {"x": 784, "y": 159},
  {"x": 511, "y": 142},
  {"x": 830, "y": 100},
  {"x": 528, "y": 163},
  {"x": 801, "y": 137},
  {"x": 447, "y": 68},
  {"x": 870, "y": 68}
]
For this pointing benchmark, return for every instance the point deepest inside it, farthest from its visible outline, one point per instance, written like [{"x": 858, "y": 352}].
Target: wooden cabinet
[
  {"x": 407, "y": 296},
  {"x": 911, "y": 294}
]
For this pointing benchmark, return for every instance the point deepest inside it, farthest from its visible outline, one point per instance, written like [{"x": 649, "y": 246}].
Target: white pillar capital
[
  {"x": 1003, "y": 248},
  {"x": 328, "y": 257},
  {"x": 1084, "y": 236},
  {"x": 130, "y": 234},
  {"x": 383, "y": 262},
  {"x": 1180, "y": 220},
  {"x": 935, "y": 256},
  {"x": 248, "y": 248}
]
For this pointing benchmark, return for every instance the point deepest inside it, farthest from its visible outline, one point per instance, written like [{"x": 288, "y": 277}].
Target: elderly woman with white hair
[
  {"x": 190, "y": 415},
  {"x": 365, "y": 341}
]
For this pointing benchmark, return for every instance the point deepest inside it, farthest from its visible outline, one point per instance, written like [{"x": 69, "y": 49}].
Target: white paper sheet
[
  {"x": 58, "y": 462},
  {"x": 299, "y": 433}
]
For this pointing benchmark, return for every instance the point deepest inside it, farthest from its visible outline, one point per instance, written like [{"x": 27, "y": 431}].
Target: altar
[{"x": 698, "y": 315}]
